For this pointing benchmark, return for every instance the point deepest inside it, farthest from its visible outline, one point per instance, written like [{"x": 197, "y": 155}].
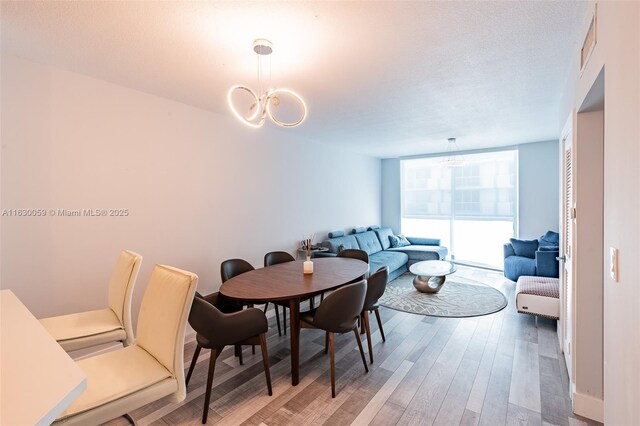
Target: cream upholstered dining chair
[
  {"x": 113, "y": 324},
  {"x": 125, "y": 379}
]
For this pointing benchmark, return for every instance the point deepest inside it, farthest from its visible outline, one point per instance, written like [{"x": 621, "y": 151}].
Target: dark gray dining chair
[
  {"x": 232, "y": 268},
  {"x": 270, "y": 259},
  {"x": 215, "y": 330},
  {"x": 355, "y": 254},
  {"x": 376, "y": 284},
  {"x": 338, "y": 313},
  {"x": 227, "y": 306}
]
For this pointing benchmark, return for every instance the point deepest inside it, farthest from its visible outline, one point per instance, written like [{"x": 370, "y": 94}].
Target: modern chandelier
[
  {"x": 453, "y": 158},
  {"x": 269, "y": 101}
]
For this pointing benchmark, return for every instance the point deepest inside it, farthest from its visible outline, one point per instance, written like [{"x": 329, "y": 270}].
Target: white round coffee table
[{"x": 431, "y": 274}]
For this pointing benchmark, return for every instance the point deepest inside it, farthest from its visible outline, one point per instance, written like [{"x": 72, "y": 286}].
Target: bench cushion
[{"x": 538, "y": 296}]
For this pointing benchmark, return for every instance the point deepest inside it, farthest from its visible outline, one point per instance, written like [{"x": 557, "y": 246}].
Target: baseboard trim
[
  {"x": 476, "y": 265},
  {"x": 588, "y": 406}
]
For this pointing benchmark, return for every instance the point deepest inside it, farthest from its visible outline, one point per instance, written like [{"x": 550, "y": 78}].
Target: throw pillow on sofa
[
  {"x": 525, "y": 248},
  {"x": 398, "y": 241},
  {"x": 550, "y": 239}
]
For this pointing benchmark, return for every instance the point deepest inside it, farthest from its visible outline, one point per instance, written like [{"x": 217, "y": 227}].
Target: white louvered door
[{"x": 566, "y": 247}]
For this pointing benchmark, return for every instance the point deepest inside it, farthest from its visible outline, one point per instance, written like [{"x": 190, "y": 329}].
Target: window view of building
[{"x": 471, "y": 208}]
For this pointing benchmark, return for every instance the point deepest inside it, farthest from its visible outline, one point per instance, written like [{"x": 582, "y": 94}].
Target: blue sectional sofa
[
  {"x": 535, "y": 258},
  {"x": 376, "y": 243}
]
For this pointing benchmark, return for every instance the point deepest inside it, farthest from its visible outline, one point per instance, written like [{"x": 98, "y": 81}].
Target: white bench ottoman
[{"x": 538, "y": 296}]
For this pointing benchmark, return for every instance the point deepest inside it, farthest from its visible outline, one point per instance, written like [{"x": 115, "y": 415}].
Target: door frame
[{"x": 568, "y": 135}]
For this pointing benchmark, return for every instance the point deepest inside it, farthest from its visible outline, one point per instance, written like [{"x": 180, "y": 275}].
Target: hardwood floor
[{"x": 492, "y": 370}]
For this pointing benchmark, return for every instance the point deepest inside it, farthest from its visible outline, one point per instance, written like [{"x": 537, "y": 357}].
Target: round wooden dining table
[{"x": 286, "y": 281}]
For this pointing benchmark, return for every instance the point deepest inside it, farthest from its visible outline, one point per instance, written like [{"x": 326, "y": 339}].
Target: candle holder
[{"x": 307, "y": 266}]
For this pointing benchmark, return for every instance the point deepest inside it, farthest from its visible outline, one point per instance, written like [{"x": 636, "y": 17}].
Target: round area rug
[{"x": 459, "y": 297}]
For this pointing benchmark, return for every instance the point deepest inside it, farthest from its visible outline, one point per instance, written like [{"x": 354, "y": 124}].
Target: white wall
[
  {"x": 200, "y": 187},
  {"x": 618, "y": 51},
  {"x": 587, "y": 254},
  {"x": 538, "y": 182}
]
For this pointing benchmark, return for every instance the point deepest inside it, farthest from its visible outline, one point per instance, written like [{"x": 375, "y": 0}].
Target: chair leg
[
  {"x": 266, "y": 305},
  {"x": 326, "y": 342},
  {"x": 333, "y": 363},
  {"x": 278, "y": 319},
  {"x": 207, "y": 396},
  {"x": 367, "y": 327},
  {"x": 364, "y": 362},
  {"x": 379, "y": 324},
  {"x": 253, "y": 349},
  {"x": 196, "y": 354},
  {"x": 362, "y": 326},
  {"x": 239, "y": 348},
  {"x": 265, "y": 361}
]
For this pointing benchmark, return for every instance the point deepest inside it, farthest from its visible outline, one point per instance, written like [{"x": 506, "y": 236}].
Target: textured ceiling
[{"x": 383, "y": 78}]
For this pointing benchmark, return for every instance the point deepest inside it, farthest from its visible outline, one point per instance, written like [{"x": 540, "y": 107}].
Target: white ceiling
[{"x": 383, "y": 78}]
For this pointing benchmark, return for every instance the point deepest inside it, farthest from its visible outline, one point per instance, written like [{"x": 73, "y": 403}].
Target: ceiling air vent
[{"x": 589, "y": 41}]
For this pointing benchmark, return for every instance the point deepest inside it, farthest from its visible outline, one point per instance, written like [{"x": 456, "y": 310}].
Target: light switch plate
[{"x": 613, "y": 263}]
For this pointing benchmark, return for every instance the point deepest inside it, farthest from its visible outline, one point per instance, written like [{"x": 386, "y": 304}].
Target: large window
[{"x": 472, "y": 208}]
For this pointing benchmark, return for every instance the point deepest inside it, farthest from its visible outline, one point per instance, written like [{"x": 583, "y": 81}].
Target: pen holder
[{"x": 307, "y": 266}]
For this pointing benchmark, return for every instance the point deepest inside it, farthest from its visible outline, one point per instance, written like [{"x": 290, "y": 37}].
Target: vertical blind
[
  {"x": 472, "y": 209},
  {"x": 484, "y": 188}
]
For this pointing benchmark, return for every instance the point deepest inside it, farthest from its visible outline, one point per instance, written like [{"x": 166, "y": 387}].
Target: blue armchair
[{"x": 532, "y": 258}]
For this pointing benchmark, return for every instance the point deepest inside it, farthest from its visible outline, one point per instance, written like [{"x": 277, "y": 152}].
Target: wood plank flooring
[{"x": 493, "y": 370}]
